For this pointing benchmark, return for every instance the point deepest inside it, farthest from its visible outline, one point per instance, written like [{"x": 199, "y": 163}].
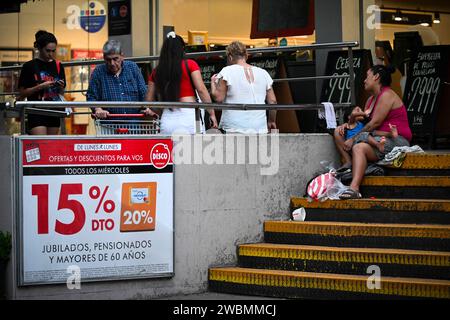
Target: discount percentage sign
[
  {"x": 95, "y": 193},
  {"x": 137, "y": 217},
  {"x": 147, "y": 216}
]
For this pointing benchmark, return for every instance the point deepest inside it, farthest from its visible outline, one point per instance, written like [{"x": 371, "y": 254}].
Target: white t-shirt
[{"x": 240, "y": 90}]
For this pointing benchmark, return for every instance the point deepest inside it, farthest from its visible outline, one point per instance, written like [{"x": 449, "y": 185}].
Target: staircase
[{"x": 401, "y": 229}]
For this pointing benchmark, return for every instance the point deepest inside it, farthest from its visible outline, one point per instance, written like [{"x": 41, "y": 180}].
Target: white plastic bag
[{"x": 335, "y": 188}]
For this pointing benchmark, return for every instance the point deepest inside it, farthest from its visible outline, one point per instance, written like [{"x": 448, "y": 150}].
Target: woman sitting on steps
[{"x": 387, "y": 114}]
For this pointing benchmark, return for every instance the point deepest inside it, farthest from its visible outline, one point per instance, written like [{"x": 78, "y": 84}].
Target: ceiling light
[
  {"x": 425, "y": 24},
  {"x": 437, "y": 18},
  {"x": 398, "y": 16}
]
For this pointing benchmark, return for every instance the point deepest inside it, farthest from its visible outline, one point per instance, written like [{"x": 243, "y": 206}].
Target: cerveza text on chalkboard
[{"x": 342, "y": 85}]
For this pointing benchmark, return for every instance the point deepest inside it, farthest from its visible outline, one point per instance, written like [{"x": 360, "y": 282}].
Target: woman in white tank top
[{"x": 242, "y": 83}]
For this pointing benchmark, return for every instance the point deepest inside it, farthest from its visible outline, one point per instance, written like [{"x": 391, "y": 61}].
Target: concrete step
[
  {"x": 402, "y": 187},
  {"x": 392, "y": 262},
  {"x": 416, "y": 164},
  {"x": 423, "y": 211},
  {"x": 294, "y": 284},
  {"x": 360, "y": 235}
]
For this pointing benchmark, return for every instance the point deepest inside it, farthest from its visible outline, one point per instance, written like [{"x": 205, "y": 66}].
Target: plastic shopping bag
[{"x": 317, "y": 188}]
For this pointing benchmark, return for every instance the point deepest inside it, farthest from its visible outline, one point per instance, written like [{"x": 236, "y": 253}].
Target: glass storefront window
[
  {"x": 216, "y": 23},
  {"x": 79, "y": 26}
]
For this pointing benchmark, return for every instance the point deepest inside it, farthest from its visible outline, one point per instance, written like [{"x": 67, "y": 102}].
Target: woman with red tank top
[
  {"x": 176, "y": 79},
  {"x": 385, "y": 111}
]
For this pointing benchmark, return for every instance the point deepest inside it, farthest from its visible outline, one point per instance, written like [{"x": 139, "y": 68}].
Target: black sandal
[{"x": 350, "y": 194}]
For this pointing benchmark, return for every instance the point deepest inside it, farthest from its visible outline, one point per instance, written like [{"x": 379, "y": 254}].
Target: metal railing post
[
  {"x": 352, "y": 76},
  {"x": 22, "y": 121}
]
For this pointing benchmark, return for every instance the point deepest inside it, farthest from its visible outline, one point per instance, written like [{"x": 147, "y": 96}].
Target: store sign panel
[
  {"x": 119, "y": 22},
  {"x": 91, "y": 17},
  {"x": 104, "y": 206}
]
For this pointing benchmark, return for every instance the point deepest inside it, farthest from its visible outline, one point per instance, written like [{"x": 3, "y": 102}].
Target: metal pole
[
  {"x": 352, "y": 76},
  {"x": 22, "y": 121}
]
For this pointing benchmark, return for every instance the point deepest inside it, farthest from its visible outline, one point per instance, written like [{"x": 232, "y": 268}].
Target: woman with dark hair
[
  {"x": 384, "y": 109},
  {"x": 43, "y": 78},
  {"x": 176, "y": 79}
]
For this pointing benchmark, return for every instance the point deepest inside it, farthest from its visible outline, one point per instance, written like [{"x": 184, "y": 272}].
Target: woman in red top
[
  {"x": 171, "y": 82},
  {"x": 386, "y": 109}
]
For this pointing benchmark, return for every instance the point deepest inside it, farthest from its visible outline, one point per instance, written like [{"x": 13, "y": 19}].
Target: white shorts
[{"x": 180, "y": 121}]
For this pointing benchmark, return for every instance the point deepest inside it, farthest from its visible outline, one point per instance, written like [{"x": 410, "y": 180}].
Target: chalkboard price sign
[
  {"x": 282, "y": 18},
  {"x": 210, "y": 67},
  {"x": 338, "y": 90},
  {"x": 269, "y": 63},
  {"x": 425, "y": 77}
]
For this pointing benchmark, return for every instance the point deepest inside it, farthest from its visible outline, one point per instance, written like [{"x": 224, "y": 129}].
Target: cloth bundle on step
[{"x": 397, "y": 153}]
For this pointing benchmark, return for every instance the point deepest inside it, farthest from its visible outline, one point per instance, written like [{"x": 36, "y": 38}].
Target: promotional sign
[
  {"x": 104, "y": 206},
  {"x": 119, "y": 20},
  {"x": 92, "y": 16}
]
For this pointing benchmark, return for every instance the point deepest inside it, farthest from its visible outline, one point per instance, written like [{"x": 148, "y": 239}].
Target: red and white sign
[
  {"x": 160, "y": 155},
  {"x": 103, "y": 205}
]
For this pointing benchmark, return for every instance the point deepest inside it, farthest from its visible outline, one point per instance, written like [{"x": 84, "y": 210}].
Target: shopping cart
[{"x": 123, "y": 126}]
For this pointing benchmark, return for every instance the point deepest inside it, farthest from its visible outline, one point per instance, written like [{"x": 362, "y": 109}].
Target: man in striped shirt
[{"x": 116, "y": 80}]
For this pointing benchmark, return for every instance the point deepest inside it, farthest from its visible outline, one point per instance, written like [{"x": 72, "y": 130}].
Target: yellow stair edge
[
  {"x": 426, "y": 161},
  {"x": 422, "y": 205},
  {"x": 404, "y": 181},
  {"x": 339, "y": 254},
  {"x": 352, "y": 229},
  {"x": 408, "y": 287}
]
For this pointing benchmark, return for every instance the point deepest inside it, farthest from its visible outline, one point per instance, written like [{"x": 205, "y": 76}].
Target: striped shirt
[{"x": 129, "y": 85}]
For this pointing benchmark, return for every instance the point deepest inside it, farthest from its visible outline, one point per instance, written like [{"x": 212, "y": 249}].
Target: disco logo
[{"x": 160, "y": 155}]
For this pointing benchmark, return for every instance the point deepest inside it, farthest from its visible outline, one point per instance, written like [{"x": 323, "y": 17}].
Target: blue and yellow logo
[{"x": 92, "y": 16}]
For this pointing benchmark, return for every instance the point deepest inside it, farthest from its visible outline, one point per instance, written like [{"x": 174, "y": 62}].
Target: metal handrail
[
  {"x": 332, "y": 45},
  {"x": 349, "y": 45},
  {"x": 208, "y": 82},
  {"x": 33, "y": 106},
  {"x": 20, "y": 105}
]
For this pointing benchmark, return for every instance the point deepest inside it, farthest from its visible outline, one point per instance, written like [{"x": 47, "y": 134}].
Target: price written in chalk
[
  {"x": 423, "y": 94},
  {"x": 340, "y": 86}
]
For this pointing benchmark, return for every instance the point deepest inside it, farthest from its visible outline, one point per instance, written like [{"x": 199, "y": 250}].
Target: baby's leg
[
  {"x": 394, "y": 131},
  {"x": 377, "y": 144}
]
